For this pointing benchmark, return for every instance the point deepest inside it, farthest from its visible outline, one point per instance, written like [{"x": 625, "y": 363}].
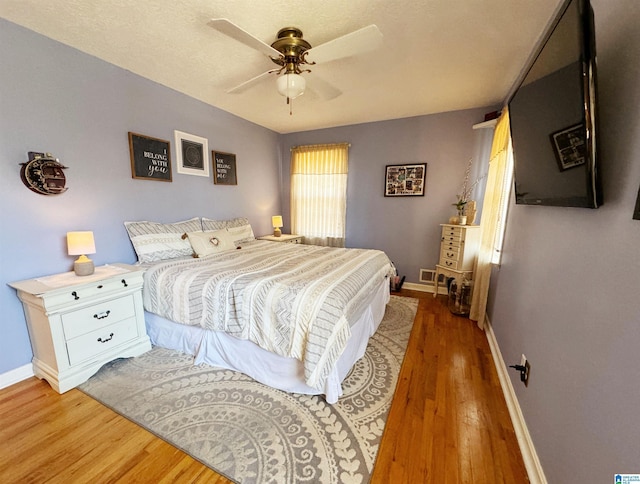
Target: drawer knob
[
  {"x": 124, "y": 283},
  {"x": 75, "y": 295},
  {"x": 100, "y": 340},
  {"x": 102, "y": 315},
  {"x": 448, "y": 263}
]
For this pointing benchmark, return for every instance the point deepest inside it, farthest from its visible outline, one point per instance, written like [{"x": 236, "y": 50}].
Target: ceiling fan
[{"x": 292, "y": 54}]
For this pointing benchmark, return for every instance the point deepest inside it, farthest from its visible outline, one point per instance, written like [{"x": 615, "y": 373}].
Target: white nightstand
[
  {"x": 77, "y": 324},
  {"x": 286, "y": 238}
]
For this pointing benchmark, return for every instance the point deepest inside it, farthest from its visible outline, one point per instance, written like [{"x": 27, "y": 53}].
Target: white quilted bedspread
[{"x": 294, "y": 300}]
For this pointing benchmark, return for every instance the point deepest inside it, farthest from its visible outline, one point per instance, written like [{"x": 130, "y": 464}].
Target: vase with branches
[{"x": 465, "y": 194}]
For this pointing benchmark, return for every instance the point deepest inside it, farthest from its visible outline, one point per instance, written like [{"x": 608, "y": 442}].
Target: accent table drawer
[
  {"x": 451, "y": 232},
  {"x": 449, "y": 253},
  {"x": 98, "y": 316},
  {"x": 93, "y": 344},
  {"x": 451, "y": 264},
  {"x": 457, "y": 246}
]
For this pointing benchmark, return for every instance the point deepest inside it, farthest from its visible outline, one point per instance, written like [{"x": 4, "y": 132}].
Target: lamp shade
[
  {"x": 276, "y": 221},
  {"x": 80, "y": 243},
  {"x": 291, "y": 85}
]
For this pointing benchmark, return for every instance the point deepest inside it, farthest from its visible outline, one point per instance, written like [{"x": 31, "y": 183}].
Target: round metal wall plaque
[{"x": 43, "y": 174}]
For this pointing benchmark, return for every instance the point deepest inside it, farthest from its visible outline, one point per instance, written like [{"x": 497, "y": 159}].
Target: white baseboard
[
  {"x": 424, "y": 287},
  {"x": 417, "y": 287},
  {"x": 529, "y": 455},
  {"x": 16, "y": 375}
]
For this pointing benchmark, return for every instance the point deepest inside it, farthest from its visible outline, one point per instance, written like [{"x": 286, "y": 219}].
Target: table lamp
[
  {"x": 276, "y": 221},
  {"x": 81, "y": 243}
]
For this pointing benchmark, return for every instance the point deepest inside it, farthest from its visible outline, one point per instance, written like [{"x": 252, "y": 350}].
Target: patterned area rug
[{"x": 252, "y": 433}]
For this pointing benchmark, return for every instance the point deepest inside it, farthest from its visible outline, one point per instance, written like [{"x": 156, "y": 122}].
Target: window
[
  {"x": 319, "y": 193},
  {"x": 505, "y": 192},
  {"x": 492, "y": 223}
]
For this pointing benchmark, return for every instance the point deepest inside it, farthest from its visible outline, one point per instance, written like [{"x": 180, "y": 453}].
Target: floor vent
[{"x": 428, "y": 276}]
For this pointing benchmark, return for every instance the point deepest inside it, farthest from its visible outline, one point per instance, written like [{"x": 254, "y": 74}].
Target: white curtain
[
  {"x": 491, "y": 221},
  {"x": 319, "y": 193}
]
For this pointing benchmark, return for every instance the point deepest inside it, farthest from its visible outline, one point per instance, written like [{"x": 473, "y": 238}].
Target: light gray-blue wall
[
  {"x": 79, "y": 108},
  {"x": 406, "y": 228},
  {"x": 57, "y": 99},
  {"x": 567, "y": 294}
]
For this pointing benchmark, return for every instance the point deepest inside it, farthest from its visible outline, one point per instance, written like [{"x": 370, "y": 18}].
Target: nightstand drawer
[
  {"x": 98, "y": 316},
  {"x": 82, "y": 293},
  {"x": 97, "y": 342}
]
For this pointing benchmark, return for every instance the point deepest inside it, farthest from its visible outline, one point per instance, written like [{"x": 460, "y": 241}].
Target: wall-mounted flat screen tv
[{"x": 553, "y": 117}]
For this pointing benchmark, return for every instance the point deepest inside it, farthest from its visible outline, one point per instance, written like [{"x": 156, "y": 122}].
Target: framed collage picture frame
[
  {"x": 405, "y": 180},
  {"x": 569, "y": 146}
]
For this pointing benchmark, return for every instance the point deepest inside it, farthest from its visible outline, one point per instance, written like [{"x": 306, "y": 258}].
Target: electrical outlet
[
  {"x": 524, "y": 376},
  {"x": 524, "y": 368}
]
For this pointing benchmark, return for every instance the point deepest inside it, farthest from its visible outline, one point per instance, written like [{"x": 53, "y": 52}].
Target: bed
[{"x": 294, "y": 317}]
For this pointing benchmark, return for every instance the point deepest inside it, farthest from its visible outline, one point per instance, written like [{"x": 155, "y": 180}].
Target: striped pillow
[
  {"x": 209, "y": 224},
  {"x": 239, "y": 228},
  {"x": 155, "y": 241}
]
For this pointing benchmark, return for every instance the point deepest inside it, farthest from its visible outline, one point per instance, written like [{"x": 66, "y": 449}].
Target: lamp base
[
  {"x": 83, "y": 268},
  {"x": 277, "y": 232}
]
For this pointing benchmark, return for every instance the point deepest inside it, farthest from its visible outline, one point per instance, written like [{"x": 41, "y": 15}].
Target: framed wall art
[
  {"x": 405, "y": 180},
  {"x": 224, "y": 168},
  {"x": 150, "y": 158},
  {"x": 569, "y": 146},
  {"x": 191, "y": 154}
]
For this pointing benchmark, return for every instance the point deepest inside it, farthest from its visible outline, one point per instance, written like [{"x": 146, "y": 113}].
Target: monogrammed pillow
[{"x": 211, "y": 242}]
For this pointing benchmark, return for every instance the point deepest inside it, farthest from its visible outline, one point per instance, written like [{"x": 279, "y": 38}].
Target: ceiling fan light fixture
[{"x": 291, "y": 85}]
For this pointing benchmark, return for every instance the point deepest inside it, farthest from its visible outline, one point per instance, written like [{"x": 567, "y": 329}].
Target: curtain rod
[{"x": 319, "y": 146}]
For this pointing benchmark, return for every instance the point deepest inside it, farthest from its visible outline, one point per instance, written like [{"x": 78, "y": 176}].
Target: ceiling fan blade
[
  {"x": 357, "y": 42},
  {"x": 230, "y": 29},
  {"x": 249, "y": 84},
  {"x": 324, "y": 89}
]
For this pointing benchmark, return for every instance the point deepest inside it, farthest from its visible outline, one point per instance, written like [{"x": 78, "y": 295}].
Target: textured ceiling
[{"x": 437, "y": 55}]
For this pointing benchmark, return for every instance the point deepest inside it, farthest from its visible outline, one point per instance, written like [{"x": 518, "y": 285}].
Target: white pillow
[
  {"x": 212, "y": 242},
  {"x": 241, "y": 234}
]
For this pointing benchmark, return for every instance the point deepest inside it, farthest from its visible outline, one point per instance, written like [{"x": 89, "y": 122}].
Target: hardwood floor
[{"x": 448, "y": 423}]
